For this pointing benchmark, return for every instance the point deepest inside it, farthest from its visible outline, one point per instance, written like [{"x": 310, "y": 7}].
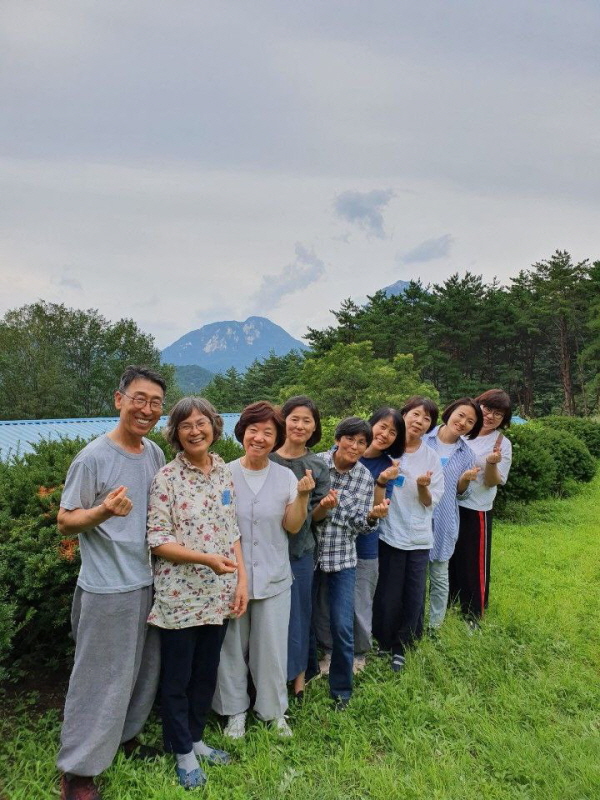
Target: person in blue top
[{"x": 463, "y": 418}]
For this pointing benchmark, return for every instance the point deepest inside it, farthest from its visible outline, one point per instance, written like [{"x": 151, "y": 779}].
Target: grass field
[{"x": 511, "y": 712}]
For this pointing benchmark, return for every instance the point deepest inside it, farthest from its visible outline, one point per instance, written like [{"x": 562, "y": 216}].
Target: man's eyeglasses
[{"x": 139, "y": 401}]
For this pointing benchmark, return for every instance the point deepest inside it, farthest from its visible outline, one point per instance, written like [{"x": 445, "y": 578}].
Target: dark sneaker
[
  {"x": 340, "y": 703},
  {"x": 139, "y": 752},
  {"x": 473, "y": 625},
  {"x": 398, "y": 663},
  {"x": 191, "y": 780},
  {"x": 77, "y": 787}
]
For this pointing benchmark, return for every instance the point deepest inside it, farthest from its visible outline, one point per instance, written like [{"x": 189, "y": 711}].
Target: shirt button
[
  {"x": 255, "y": 564},
  {"x": 255, "y": 543}
]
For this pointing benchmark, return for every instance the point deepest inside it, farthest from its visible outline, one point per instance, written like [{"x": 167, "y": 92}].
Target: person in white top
[
  {"x": 470, "y": 564},
  {"x": 406, "y": 536}
]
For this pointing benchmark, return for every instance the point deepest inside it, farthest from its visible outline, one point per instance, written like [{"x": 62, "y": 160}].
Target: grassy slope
[{"x": 512, "y": 712}]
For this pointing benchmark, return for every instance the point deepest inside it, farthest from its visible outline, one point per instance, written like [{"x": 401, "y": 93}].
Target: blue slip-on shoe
[
  {"x": 191, "y": 780},
  {"x": 215, "y": 757}
]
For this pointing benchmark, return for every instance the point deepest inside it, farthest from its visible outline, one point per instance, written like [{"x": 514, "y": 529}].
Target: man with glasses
[{"x": 115, "y": 674}]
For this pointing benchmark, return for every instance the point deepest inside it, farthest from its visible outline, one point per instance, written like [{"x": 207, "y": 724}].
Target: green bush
[
  {"x": 574, "y": 462},
  {"x": 585, "y": 429},
  {"x": 533, "y": 472}
]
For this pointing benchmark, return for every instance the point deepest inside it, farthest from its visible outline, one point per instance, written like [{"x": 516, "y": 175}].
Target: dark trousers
[
  {"x": 469, "y": 568},
  {"x": 398, "y": 601},
  {"x": 190, "y": 660},
  {"x": 339, "y": 587}
]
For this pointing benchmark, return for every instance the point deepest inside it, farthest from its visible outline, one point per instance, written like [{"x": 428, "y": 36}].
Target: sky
[{"x": 184, "y": 162}]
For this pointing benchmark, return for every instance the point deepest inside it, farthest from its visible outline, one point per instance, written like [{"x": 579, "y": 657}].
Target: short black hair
[
  {"x": 304, "y": 400},
  {"x": 466, "y": 401},
  {"x": 430, "y": 407},
  {"x": 133, "y": 372},
  {"x": 182, "y": 410},
  {"x": 497, "y": 400},
  {"x": 354, "y": 426},
  {"x": 396, "y": 449}
]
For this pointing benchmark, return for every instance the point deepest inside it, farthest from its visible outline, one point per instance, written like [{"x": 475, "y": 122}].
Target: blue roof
[{"x": 17, "y": 437}]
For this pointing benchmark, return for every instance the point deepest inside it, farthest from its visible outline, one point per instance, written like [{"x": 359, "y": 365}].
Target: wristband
[{"x": 381, "y": 485}]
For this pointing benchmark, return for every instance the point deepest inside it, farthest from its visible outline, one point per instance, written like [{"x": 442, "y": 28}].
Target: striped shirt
[
  {"x": 336, "y": 534},
  {"x": 445, "y": 516}
]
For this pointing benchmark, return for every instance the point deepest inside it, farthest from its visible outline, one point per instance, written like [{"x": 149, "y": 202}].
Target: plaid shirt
[{"x": 336, "y": 534}]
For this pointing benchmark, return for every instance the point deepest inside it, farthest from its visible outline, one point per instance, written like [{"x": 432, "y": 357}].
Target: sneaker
[
  {"x": 281, "y": 727},
  {"x": 214, "y": 757},
  {"x": 236, "y": 726},
  {"x": 398, "y": 663},
  {"x": 191, "y": 780},
  {"x": 78, "y": 787},
  {"x": 325, "y": 663},
  {"x": 473, "y": 625},
  {"x": 340, "y": 703},
  {"x": 360, "y": 662}
]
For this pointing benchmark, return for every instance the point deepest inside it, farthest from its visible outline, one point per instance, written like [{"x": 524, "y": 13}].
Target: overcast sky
[{"x": 182, "y": 162}]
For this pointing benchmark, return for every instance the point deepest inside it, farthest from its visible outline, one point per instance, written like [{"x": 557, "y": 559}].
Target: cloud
[
  {"x": 428, "y": 250},
  {"x": 304, "y": 270},
  {"x": 364, "y": 209},
  {"x": 67, "y": 281}
]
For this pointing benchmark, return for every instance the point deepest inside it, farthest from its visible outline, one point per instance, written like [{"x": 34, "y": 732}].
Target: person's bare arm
[{"x": 74, "y": 521}]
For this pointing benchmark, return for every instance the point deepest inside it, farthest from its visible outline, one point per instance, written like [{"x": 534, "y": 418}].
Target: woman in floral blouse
[{"x": 199, "y": 580}]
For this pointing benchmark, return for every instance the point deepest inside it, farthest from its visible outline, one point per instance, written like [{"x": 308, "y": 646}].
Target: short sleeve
[{"x": 80, "y": 487}]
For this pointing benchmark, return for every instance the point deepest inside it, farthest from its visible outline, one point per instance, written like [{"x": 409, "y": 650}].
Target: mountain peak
[{"x": 221, "y": 345}]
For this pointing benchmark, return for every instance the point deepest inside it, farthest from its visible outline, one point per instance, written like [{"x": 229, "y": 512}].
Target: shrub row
[{"x": 38, "y": 567}]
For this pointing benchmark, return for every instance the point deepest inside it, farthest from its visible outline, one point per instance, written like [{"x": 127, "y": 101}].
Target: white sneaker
[
  {"x": 236, "y": 726},
  {"x": 360, "y": 662},
  {"x": 325, "y": 663},
  {"x": 281, "y": 727}
]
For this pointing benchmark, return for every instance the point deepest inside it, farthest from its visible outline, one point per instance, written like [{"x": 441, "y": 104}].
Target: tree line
[{"x": 538, "y": 338}]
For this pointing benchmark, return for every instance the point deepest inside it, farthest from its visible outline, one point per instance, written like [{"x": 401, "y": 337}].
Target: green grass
[{"x": 512, "y": 712}]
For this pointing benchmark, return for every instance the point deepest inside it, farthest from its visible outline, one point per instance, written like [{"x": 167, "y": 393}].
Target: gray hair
[{"x": 182, "y": 410}]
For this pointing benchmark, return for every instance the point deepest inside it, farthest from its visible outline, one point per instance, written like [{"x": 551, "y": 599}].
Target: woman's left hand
[
  {"x": 470, "y": 474},
  {"x": 495, "y": 457},
  {"x": 307, "y": 483},
  {"x": 240, "y": 599},
  {"x": 379, "y": 511}
]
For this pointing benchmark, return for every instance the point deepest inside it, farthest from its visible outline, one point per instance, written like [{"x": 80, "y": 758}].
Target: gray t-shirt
[{"x": 114, "y": 555}]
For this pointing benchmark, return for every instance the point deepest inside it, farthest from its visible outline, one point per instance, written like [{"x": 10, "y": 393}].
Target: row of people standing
[{"x": 302, "y": 518}]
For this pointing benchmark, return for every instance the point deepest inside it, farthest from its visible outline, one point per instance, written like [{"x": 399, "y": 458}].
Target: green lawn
[{"x": 512, "y": 712}]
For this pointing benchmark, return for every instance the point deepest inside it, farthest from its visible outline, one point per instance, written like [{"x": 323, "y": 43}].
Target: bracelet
[{"x": 381, "y": 485}]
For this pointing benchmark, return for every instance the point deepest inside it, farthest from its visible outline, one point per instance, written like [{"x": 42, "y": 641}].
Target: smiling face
[
  {"x": 461, "y": 421},
  {"x": 492, "y": 418},
  {"x": 417, "y": 421},
  {"x": 384, "y": 434},
  {"x": 137, "y": 418},
  {"x": 350, "y": 449},
  {"x": 299, "y": 425},
  {"x": 195, "y": 435},
  {"x": 259, "y": 439}
]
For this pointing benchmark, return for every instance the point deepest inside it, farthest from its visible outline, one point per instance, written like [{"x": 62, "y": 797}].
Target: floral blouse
[{"x": 196, "y": 511}]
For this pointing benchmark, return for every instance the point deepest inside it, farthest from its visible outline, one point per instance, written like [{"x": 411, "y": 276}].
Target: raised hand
[
  {"x": 425, "y": 480},
  {"x": 470, "y": 474},
  {"x": 117, "y": 503},
  {"x": 390, "y": 473},
  {"x": 307, "y": 483},
  {"x": 495, "y": 456},
  {"x": 221, "y": 565},
  {"x": 330, "y": 500},
  {"x": 379, "y": 511}
]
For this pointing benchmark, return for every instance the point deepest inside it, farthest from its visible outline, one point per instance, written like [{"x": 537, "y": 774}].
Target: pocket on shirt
[{"x": 420, "y": 530}]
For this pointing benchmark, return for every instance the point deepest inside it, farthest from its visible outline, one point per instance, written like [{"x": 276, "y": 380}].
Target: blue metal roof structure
[{"x": 17, "y": 437}]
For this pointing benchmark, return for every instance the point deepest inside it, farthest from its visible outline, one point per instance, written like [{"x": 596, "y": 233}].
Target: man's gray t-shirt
[{"x": 114, "y": 555}]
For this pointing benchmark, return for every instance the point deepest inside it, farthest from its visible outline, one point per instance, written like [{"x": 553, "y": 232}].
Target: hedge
[{"x": 38, "y": 567}]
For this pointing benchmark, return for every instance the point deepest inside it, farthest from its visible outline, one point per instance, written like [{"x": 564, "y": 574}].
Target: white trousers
[{"x": 257, "y": 641}]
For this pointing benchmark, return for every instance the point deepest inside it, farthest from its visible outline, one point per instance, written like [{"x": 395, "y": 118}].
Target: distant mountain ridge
[
  {"x": 396, "y": 288},
  {"x": 221, "y": 345}
]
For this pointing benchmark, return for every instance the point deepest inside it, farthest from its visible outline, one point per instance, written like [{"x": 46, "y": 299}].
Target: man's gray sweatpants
[{"x": 114, "y": 678}]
